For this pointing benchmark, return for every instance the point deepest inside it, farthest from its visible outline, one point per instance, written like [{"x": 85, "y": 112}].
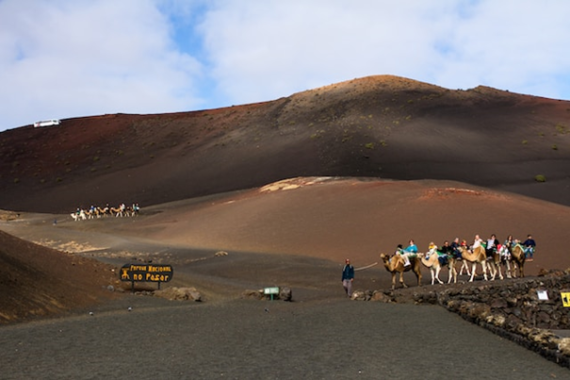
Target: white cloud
[
  {"x": 64, "y": 59},
  {"x": 517, "y": 45},
  {"x": 276, "y": 48},
  {"x": 262, "y": 51}
]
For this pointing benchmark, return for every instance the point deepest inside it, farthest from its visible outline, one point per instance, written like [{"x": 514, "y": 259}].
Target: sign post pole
[{"x": 271, "y": 291}]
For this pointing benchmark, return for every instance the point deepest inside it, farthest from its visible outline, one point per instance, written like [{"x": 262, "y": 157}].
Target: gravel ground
[{"x": 244, "y": 339}]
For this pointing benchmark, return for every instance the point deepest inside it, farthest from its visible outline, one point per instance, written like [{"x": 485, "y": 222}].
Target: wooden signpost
[{"x": 146, "y": 273}]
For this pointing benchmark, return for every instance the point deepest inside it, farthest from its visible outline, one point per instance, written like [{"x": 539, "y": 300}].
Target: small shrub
[
  {"x": 561, "y": 129},
  {"x": 539, "y": 178},
  {"x": 524, "y": 142},
  {"x": 554, "y": 147},
  {"x": 369, "y": 145}
]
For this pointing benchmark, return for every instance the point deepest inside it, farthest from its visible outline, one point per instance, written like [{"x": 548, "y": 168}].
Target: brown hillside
[
  {"x": 331, "y": 218},
  {"x": 38, "y": 281},
  {"x": 380, "y": 126}
]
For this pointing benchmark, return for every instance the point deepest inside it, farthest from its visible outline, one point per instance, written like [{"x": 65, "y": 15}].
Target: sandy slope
[
  {"x": 334, "y": 218},
  {"x": 298, "y": 232}
]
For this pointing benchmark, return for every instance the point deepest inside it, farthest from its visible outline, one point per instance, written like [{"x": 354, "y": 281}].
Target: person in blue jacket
[
  {"x": 529, "y": 246},
  {"x": 347, "y": 277},
  {"x": 412, "y": 247}
]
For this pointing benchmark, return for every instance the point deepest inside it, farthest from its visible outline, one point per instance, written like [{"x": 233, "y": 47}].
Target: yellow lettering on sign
[
  {"x": 156, "y": 277},
  {"x": 158, "y": 269},
  {"x": 565, "y": 299}
]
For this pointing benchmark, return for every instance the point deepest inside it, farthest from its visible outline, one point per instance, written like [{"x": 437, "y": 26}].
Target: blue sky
[{"x": 70, "y": 58}]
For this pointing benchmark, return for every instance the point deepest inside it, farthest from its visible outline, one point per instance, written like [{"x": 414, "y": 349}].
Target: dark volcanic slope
[
  {"x": 38, "y": 281},
  {"x": 381, "y": 126}
]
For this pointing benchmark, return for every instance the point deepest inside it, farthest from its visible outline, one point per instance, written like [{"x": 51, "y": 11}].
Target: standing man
[{"x": 347, "y": 277}]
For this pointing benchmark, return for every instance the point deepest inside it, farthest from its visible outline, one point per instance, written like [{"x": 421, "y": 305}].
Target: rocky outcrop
[{"x": 179, "y": 294}]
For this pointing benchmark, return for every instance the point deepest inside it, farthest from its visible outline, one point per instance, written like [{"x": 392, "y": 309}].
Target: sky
[{"x": 73, "y": 58}]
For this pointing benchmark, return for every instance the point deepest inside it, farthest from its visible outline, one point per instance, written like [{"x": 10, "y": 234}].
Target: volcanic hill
[{"x": 381, "y": 126}]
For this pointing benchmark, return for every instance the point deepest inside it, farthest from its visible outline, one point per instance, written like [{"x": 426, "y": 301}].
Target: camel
[
  {"x": 465, "y": 267},
  {"x": 396, "y": 265},
  {"x": 434, "y": 265},
  {"x": 518, "y": 257},
  {"x": 78, "y": 215},
  {"x": 119, "y": 211},
  {"x": 494, "y": 263},
  {"x": 103, "y": 211},
  {"x": 92, "y": 213},
  {"x": 505, "y": 254},
  {"x": 478, "y": 256},
  {"x": 135, "y": 209}
]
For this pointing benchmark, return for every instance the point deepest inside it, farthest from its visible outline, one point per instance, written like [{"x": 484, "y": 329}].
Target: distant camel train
[{"x": 99, "y": 212}]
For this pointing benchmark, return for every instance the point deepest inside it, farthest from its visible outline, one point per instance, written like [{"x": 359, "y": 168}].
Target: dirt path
[{"x": 244, "y": 339}]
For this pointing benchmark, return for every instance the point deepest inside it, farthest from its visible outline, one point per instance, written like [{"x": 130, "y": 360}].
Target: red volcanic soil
[
  {"x": 334, "y": 218},
  {"x": 465, "y": 162}
]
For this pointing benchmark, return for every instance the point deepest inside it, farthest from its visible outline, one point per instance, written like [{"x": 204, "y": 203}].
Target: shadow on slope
[{"x": 36, "y": 281}]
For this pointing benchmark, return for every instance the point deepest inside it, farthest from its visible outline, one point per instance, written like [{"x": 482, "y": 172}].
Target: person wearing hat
[{"x": 347, "y": 277}]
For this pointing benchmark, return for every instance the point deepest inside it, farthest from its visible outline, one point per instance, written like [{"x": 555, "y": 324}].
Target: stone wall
[{"x": 511, "y": 309}]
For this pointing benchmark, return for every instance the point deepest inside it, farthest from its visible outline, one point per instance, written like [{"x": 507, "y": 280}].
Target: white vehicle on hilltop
[{"x": 47, "y": 123}]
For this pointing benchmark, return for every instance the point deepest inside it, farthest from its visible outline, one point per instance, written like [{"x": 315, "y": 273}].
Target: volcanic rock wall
[{"x": 529, "y": 311}]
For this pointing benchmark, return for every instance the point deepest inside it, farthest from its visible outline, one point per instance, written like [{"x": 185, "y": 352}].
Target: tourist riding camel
[
  {"x": 529, "y": 246},
  {"x": 395, "y": 264},
  {"x": 434, "y": 263}
]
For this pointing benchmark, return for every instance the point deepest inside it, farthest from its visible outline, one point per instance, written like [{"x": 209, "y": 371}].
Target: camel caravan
[
  {"x": 100, "y": 212},
  {"x": 490, "y": 255}
]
